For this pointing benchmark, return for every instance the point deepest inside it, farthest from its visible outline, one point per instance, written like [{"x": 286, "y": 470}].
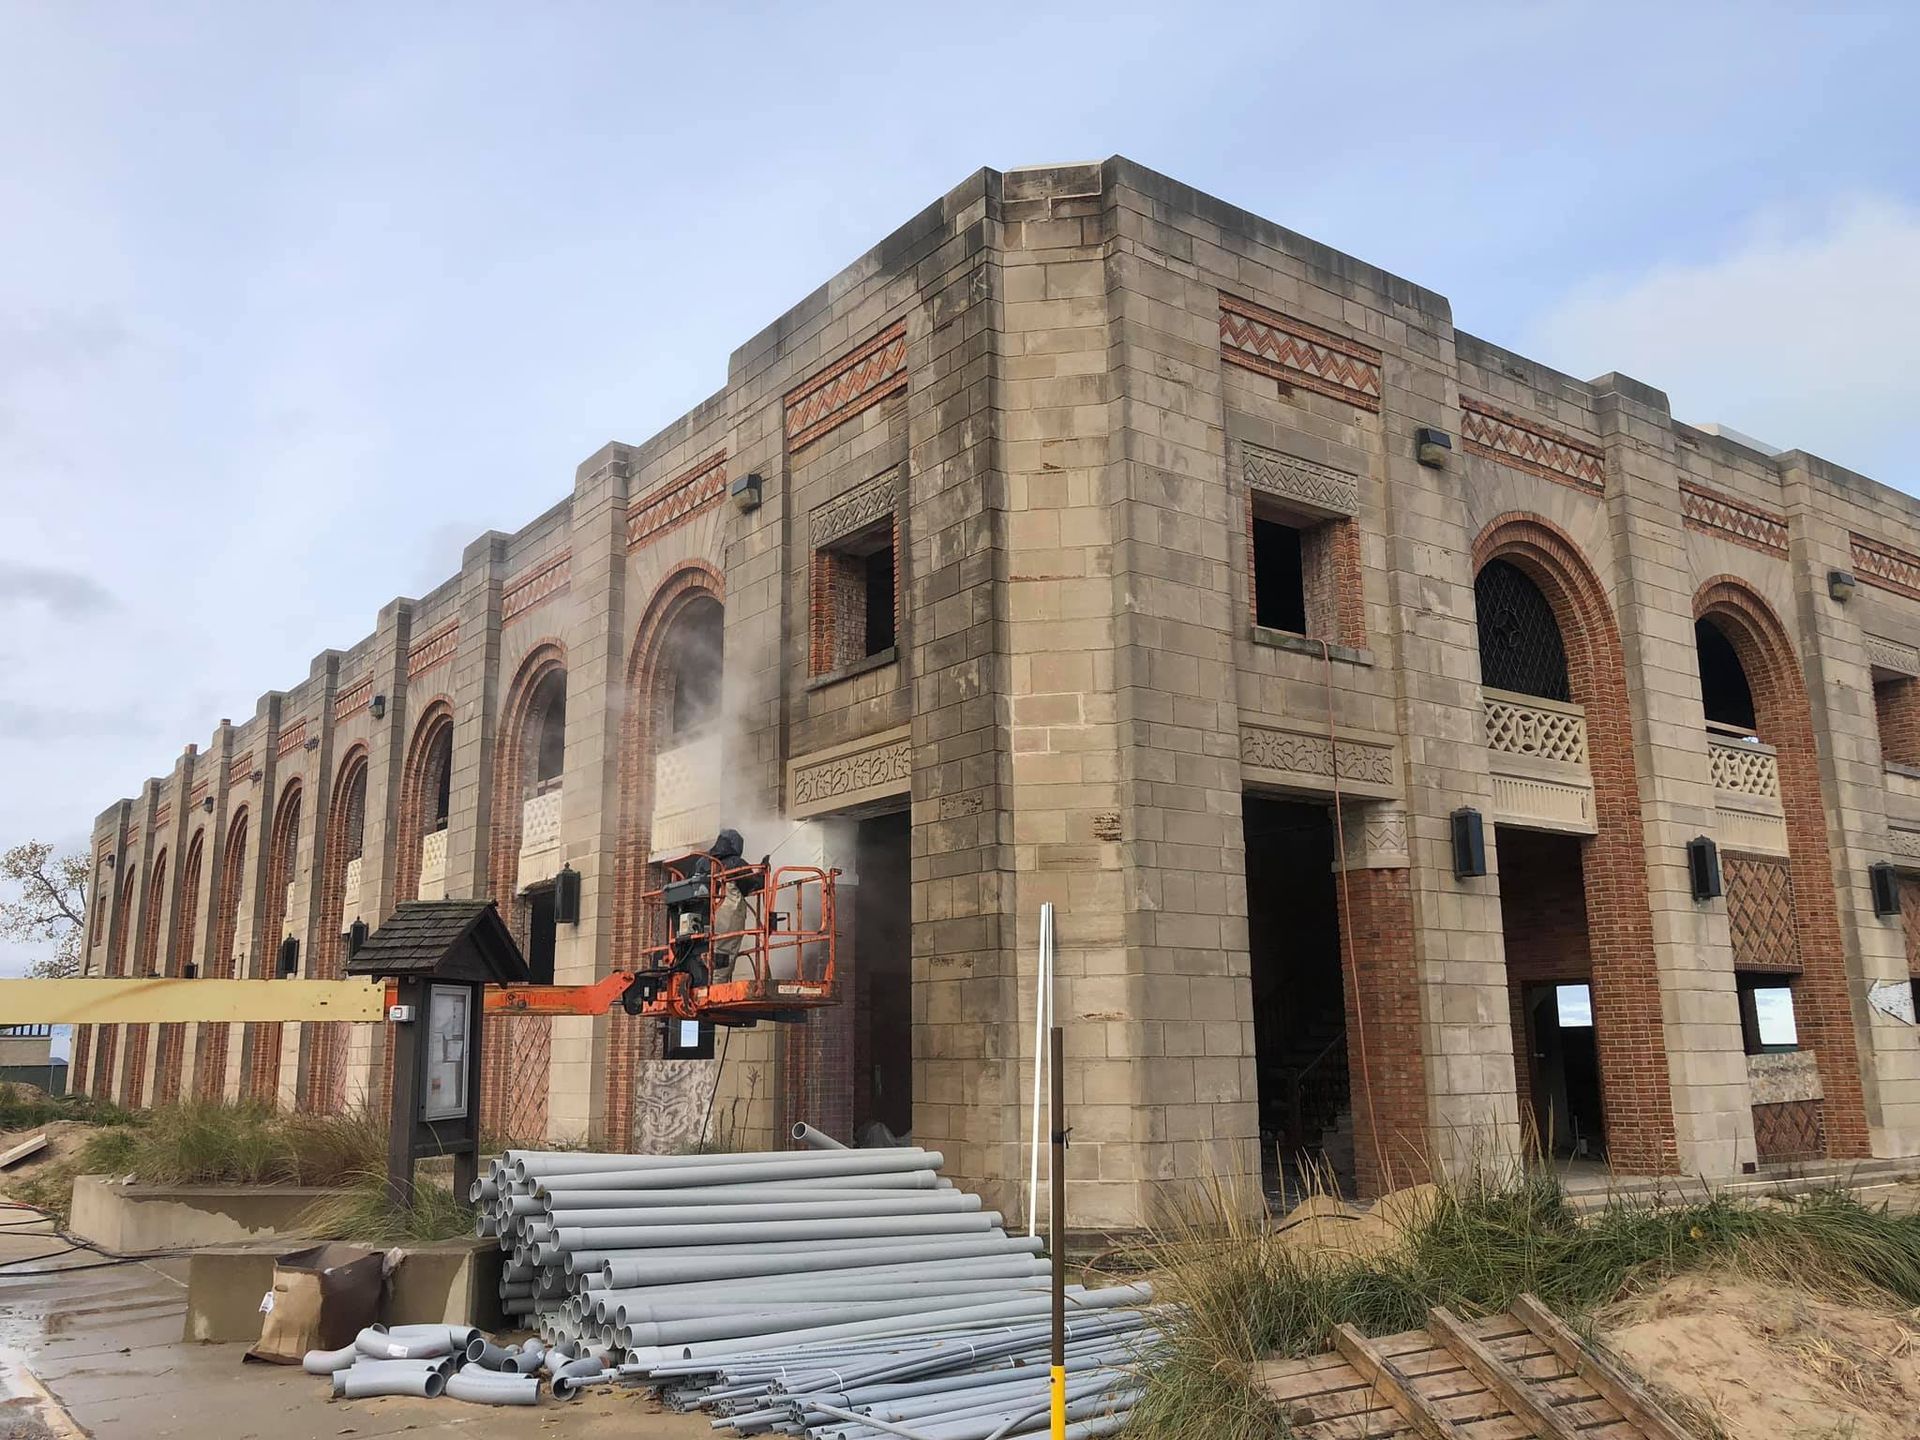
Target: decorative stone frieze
[
  {"x": 1375, "y": 836},
  {"x": 1886, "y": 566},
  {"x": 858, "y": 508},
  {"x": 1297, "y": 353},
  {"x": 1893, "y": 656},
  {"x": 1301, "y": 760},
  {"x": 1300, "y": 482},
  {"x": 535, "y": 586},
  {"x": 433, "y": 648},
  {"x": 1711, "y": 513},
  {"x": 672, "y": 504},
  {"x": 876, "y": 767},
  {"x": 1496, "y": 434},
  {"x": 848, "y": 386}
]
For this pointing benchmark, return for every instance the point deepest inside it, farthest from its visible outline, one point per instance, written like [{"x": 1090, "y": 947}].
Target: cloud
[
  {"x": 20, "y": 720},
  {"x": 1798, "y": 334},
  {"x": 68, "y": 594}
]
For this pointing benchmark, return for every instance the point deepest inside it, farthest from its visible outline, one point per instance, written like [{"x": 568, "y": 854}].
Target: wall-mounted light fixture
[
  {"x": 206, "y": 803},
  {"x": 356, "y": 937},
  {"x": 1432, "y": 448},
  {"x": 289, "y": 965},
  {"x": 746, "y": 492},
  {"x": 312, "y": 742},
  {"x": 1840, "y": 585},
  {"x": 257, "y": 776},
  {"x": 377, "y": 707},
  {"x": 566, "y": 896},
  {"x": 1469, "y": 843},
  {"x": 1703, "y": 867},
  {"x": 1884, "y": 881},
  {"x": 189, "y": 971}
]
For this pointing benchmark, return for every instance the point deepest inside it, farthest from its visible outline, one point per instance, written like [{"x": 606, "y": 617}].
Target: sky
[{"x": 296, "y": 300}]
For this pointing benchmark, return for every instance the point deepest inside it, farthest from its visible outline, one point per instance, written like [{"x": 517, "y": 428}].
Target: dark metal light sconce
[
  {"x": 206, "y": 803},
  {"x": 566, "y": 896},
  {"x": 312, "y": 742},
  {"x": 1432, "y": 448},
  {"x": 377, "y": 707},
  {"x": 1469, "y": 844},
  {"x": 1703, "y": 867},
  {"x": 289, "y": 957},
  {"x": 1840, "y": 585},
  {"x": 746, "y": 492},
  {"x": 356, "y": 937},
  {"x": 113, "y": 862},
  {"x": 1885, "y": 883}
]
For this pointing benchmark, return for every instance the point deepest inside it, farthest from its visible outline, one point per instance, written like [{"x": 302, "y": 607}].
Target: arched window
[
  {"x": 694, "y": 663},
  {"x": 150, "y": 930},
  {"x": 1724, "y": 692},
  {"x": 548, "y": 731},
  {"x": 186, "y": 920},
  {"x": 354, "y": 835},
  {"x": 1520, "y": 645}
]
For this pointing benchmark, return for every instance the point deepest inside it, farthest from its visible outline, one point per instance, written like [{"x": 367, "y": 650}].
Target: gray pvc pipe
[
  {"x": 584, "y": 1367},
  {"x": 565, "y": 1387},
  {"x": 729, "y": 1262},
  {"x": 457, "y": 1335},
  {"x": 484, "y": 1353},
  {"x": 755, "y": 1170},
  {"x": 325, "y": 1362},
  {"x": 376, "y": 1346},
  {"x": 814, "y": 1139},
  {"x": 531, "y": 1165},
  {"x": 932, "y": 1202},
  {"x": 354, "y": 1385},
  {"x": 931, "y": 1275},
  {"x": 645, "y": 1237},
  {"x": 494, "y": 1389},
  {"x": 783, "y": 1192},
  {"x": 527, "y": 1362},
  {"x": 690, "y": 1325},
  {"x": 638, "y": 1183}
]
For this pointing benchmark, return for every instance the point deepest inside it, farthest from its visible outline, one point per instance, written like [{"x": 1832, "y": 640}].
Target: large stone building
[{"x": 1092, "y": 541}]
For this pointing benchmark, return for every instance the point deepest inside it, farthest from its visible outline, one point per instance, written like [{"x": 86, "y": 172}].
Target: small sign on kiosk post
[{"x": 439, "y": 954}]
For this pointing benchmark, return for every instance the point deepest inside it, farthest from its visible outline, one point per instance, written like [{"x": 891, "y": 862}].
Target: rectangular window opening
[
  {"x": 1767, "y": 1021},
  {"x": 1279, "y": 581},
  {"x": 1574, "y": 1004},
  {"x": 854, "y": 602}
]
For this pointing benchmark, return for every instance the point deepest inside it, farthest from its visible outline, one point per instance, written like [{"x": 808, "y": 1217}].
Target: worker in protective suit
[{"x": 712, "y": 963}]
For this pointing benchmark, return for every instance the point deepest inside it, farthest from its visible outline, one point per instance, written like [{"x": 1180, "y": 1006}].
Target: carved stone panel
[
  {"x": 1302, "y": 760},
  {"x": 1320, "y": 488},
  {"x": 877, "y": 767}
]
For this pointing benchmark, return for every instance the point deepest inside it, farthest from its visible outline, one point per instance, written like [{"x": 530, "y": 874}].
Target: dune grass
[
  {"x": 365, "y": 1214},
  {"x": 1244, "y": 1295}
]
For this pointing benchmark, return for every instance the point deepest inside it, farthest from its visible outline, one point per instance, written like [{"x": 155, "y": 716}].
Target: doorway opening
[
  {"x": 1299, "y": 1001},
  {"x": 1543, "y": 914},
  {"x": 883, "y": 982},
  {"x": 541, "y": 934}
]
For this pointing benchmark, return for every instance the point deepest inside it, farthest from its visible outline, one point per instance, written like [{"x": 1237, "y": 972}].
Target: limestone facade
[{"x": 1054, "y": 404}]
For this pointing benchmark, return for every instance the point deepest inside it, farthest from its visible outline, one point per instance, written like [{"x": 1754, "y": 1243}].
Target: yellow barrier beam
[{"x": 142, "y": 1002}]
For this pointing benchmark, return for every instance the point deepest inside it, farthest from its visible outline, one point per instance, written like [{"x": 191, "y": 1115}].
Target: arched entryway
[
  {"x": 1579, "y": 930},
  {"x": 1789, "y": 961},
  {"x": 529, "y": 793},
  {"x": 326, "y": 1080},
  {"x": 153, "y": 911},
  {"x": 426, "y": 797},
  {"x": 210, "y": 1059},
  {"x": 673, "y": 694},
  {"x": 168, "y": 1082},
  {"x": 261, "y": 1080},
  {"x": 107, "y": 1044}
]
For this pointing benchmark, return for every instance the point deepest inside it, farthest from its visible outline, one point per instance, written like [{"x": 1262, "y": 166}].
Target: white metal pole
[{"x": 1042, "y": 1017}]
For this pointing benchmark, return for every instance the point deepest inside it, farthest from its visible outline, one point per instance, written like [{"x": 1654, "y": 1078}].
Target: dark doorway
[
  {"x": 540, "y": 934},
  {"x": 883, "y": 982},
  {"x": 1299, "y": 1006},
  {"x": 1564, "y": 1064},
  {"x": 1543, "y": 912}
]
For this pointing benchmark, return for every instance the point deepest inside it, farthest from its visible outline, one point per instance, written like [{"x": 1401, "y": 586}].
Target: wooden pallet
[{"x": 1522, "y": 1375}]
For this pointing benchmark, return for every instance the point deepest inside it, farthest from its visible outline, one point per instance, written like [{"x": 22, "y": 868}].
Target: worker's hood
[{"x": 727, "y": 846}]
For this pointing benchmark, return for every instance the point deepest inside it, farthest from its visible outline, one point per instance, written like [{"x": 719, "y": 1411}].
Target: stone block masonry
[{"x": 1042, "y": 420}]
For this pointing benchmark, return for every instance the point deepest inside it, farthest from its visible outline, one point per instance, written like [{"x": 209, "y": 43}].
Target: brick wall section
[
  {"x": 139, "y": 1037},
  {"x": 1822, "y": 1009},
  {"x": 1910, "y": 921},
  {"x": 1385, "y": 1061},
  {"x": 325, "y": 1084},
  {"x": 1637, "y": 1097},
  {"x": 417, "y": 795},
  {"x": 513, "y": 1085},
  {"x": 210, "y": 1061},
  {"x": 1543, "y": 912},
  {"x": 1896, "y": 710},
  {"x": 1331, "y": 580},
  {"x": 261, "y": 1080},
  {"x": 631, "y": 1040},
  {"x": 1761, "y": 917},
  {"x": 172, "y": 1039}
]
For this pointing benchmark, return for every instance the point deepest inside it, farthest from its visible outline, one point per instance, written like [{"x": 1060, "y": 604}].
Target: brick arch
[
  {"x": 146, "y": 963},
  {"x": 1784, "y": 720},
  {"x": 263, "y": 1041},
  {"x": 324, "y": 1090},
  {"x": 210, "y": 1064},
  {"x": 513, "y": 1091},
  {"x": 418, "y": 781},
  {"x": 167, "y": 1080},
  {"x": 686, "y": 585},
  {"x": 1629, "y": 1028}
]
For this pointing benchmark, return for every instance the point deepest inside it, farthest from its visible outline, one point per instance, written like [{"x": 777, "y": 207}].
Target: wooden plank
[
  {"x": 1392, "y": 1382},
  {"x": 1486, "y": 1367},
  {"x": 1620, "y": 1390},
  {"x": 1506, "y": 1427},
  {"x": 1292, "y": 1384},
  {"x": 32, "y": 1145},
  {"x": 170, "y": 1001}
]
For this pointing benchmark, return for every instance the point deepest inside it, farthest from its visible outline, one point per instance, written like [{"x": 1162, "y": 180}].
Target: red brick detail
[
  {"x": 431, "y": 649},
  {"x": 1822, "y": 1008},
  {"x": 1331, "y": 582},
  {"x": 1385, "y": 1058},
  {"x": 1887, "y": 567},
  {"x": 324, "y": 1087},
  {"x": 1789, "y": 1130},
  {"x": 671, "y": 505},
  {"x": 418, "y": 786},
  {"x": 1532, "y": 446},
  {"x": 1896, "y": 711},
  {"x": 210, "y": 1060},
  {"x": 514, "y": 1081},
  {"x": 1725, "y": 518},
  {"x": 168, "y": 1082},
  {"x": 260, "y": 1076},
  {"x": 1296, "y": 353},
  {"x": 352, "y": 700},
  {"x": 851, "y": 384},
  {"x": 1910, "y": 922},
  {"x": 291, "y": 738},
  {"x": 836, "y": 604},
  {"x": 536, "y": 586},
  {"x": 629, "y": 1039},
  {"x": 80, "y": 1058},
  {"x": 104, "y": 1065},
  {"x": 1760, "y": 913},
  {"x": 241, "y": 769},
  {"x": 1629, "y": 1031},
  {"x": 162, "y": 814},
  {"x": 147, "y": 963},
  {"x": 197, "y": 795}
]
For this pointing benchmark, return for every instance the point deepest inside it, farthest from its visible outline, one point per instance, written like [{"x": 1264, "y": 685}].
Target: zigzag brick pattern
[
  {"x": 848, "y": 386},
  {"x": 1300, "y": 354},
  {"x": 1496, "y": 434}
]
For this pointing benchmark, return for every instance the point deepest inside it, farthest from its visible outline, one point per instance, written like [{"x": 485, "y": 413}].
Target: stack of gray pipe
[
  {"x": 456, "y": 1360},
  {"x": 709, "y": 1273}
]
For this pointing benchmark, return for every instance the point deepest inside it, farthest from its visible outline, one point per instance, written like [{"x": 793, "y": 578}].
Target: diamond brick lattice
[
  {"x": 1711, "y": 513},
  {"x": 1528, "y": 445},
  {"x": 1760, "y": 913}
]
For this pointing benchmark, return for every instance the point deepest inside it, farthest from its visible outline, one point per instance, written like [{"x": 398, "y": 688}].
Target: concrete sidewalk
[{"x": 93, "y": 1349}]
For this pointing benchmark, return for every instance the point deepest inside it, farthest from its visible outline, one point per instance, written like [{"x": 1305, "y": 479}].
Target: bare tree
[{"x": 43, "y": 898}]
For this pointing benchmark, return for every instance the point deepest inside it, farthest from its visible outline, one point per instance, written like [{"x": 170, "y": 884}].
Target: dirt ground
[{"x": 1768, "y": 1363}]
